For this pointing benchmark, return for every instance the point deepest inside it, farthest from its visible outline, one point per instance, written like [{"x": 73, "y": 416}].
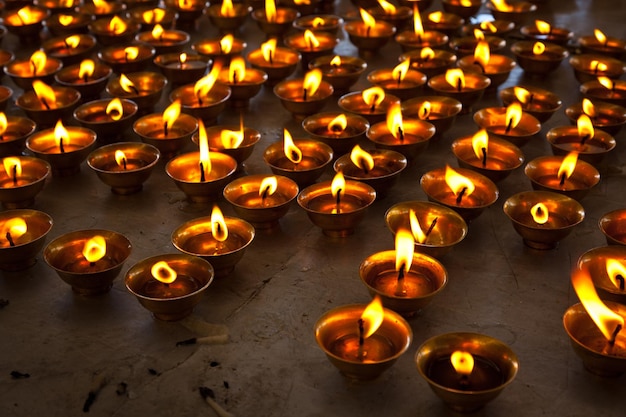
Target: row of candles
[{"x": 404, "y": 280}]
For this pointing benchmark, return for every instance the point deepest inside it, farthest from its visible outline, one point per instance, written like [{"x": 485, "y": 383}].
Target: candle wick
[
  {"x": 400, "y": 281},
  {"x": 365, "y": 169},
  {"x": 531, "y": 98},
  {"x": 477, "y": 62},
  {"x": 367, "y": 31},
  {"x": 124, "y": 163},
  {"x": 459, "y": 85},
  {"x": 338, "y": 202},
  {"x": 32, "y": 64},
  {"x": 399, "y": 80},
  {"x": 620, "y": 279},
  {"x": 86, "y": 78},
  {"x": 135, "y": 90},
  {"x": 584, "y": 138},
  {"x": 271, "y": 57},
  {"x": 304, "y": 95},
  {"x": 14, "y": 170},
  {"x": 464, "y": 382},
  {"x": 202, "y": 176},
  {"x": 432, "y": 226},
  {"x": 614, "y": 335},
  {"x": 373, "y": 108},
  {"x": 165, "y": 128},
  {"x": 199, "y": 97},
  {"x": 419, "y": 38},
  {"x": 92, "y": 264},
  {"x": 45, "y": 103},
  {"x": 509, "y": 125},
  {"x": 401, "y": 134},
  {"x": 10, "y": 239},
  {"x": 460, "y": 196},
  {"x": 235, "y": 77},
  {"x": 484, "y": 151},
  {"x": 61, "y": 146},
  {"x": 19, "y": 16},
  {"x": 562, "y": 179},
  {"x": 264, "y": 194}
]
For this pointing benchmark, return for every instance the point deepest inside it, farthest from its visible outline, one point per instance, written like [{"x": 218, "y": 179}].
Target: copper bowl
[
  {"x": 23, "y": 254},
  {"x": 613, "y": 227}
]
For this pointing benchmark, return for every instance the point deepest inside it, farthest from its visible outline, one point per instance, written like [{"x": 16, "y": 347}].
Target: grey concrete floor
[{"x": 271, "y": 365}]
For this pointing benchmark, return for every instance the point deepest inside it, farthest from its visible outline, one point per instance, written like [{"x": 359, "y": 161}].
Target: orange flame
[
  {"x": 312, "y": 81},
  {"x": 102, "y": 6},
  {"x": 66, "y": 19},
  {"x": 616, "y": 272},
  {"x": 268, "y": 49},
  {"x": 588, "y": 108},
  {"x": 182, "y": 58},
  {"x": 205, "y": 156},
  {"x": 368, "y": 20},
  {"x": 418, "y": 27},
  {"x": 585, "y": 127},
  {"x": 387, "y": 7},
  {"x": 372, "y": 317},
  {"x": 311, "y": 41},
  {"x": 117, "y": 25},
  {"x": 395, "y": 123},
  {"x": 157, "y": 32},
  {"x": 171, "y": 113},
  {"x": 543, "y": 27},
  {"x": 488, "y": 26},
  {"x": 596, "y": 66},
  {"x": 539, "y": 48},
  {"x": 436, "y": 17},
  {"x": 269, "y": 185},
  {"x": 270, "y": 10},
  {"x": 540, "y": 213},
  {"x": 95, "y": 249},
  {"x": 513, "y": 115},
  {"x": 606, "y": 82},
  {"x": 317, "y": 22},
  {"x": 232, "y": 139},
  {"x": 185, "y": 4},
  {"x": 416, "y": 229},
  {"x": 153, "y": 15},
  {"x": 237, "y": 69},
  {"x": 226, "y": 43},
  {"x": 405, "y": 245},
  {"x": 120, "y": 158},
  {"x": 27, "y": 15},
  {"x": 127, "y": 85},
  {"x": 164, "y": 273},
  {"x": 462, "y": 362},
  {"x": 479, "y": 35},
  {"x": 480, "y": 143},
  {"x": 115, "y": 109},
  {"x": 427, "y": 53},
  {"x": 86, "y": 68},
  {"x": 292, "y": 152},
  {"x": 61, "y": 136},
  {"x": 131, "y": 52},
  {"x": 458, "y": 182},
  {"x": 400, "y": 70},
  {"x": 4, "y": 123},
  {"x": 45, "y": 94},
  {"x": 424, "y": 110},
  {"x": 568, "y": 165},
  {"x": 338, "y": 124},
  {"x": 521, "y": 94},
  {"x": 203, "y": 86},
  {"x": 502, "y": 6},
  {"x": 12, "y": 166},
  {"x": 361, "y": 158},
  {"x": 14, "y": 228},
  {"x": 338, "y": 185},
  {"x": 456, "y": 78},
  {"x": 38, "y": 61},
  {"x": 482, "y": 54},
  {"x": 227, "y": 9},
  {"x": 72, "y": 41},
  {"x": 219, "y": 230},
  {"x": 600, "y": 37},
  {"x": 605, "y": 318},
  {"x": 373, "y": 96}
]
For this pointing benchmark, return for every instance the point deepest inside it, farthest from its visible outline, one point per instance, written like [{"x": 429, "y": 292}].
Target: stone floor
[{"x": 271, "y": 365}]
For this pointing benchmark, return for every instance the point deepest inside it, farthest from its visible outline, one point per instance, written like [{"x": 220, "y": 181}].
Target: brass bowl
[
  {"x": 416, "y": 139},
  {"x": 23, "y": 254},
  {"x": 564, "y": 139},
  {"x": 114, "y": 56},
  {"x": 64, "y": 255},
  {"x": 150, "y": 85},
  {"x": 42, "y": 143},
  {"x": 613, "y": 227},
  {"x": 595, "y": 262},
  {"x": 543, "y": 105},
  {"x": 609, "y": 117},
  {"x": 68, "y": 77},
  {"x": 320, "y": 155},
  {"x": 66, "y": 100},
  {"x": 92, "y": 116},
  {"x": 14, "y": 138},
  {"x": 250, "y": 138},
  {"x": 543, "y": 174},
  {"x": 493, "y": 119},
  {"x": 150, "y": 127},
  {"x": 442, "y": 114},
  {"x": 316, "y": 126},
  {"x": 289, "y": 92},
  {"x": 35, "y": 171},
  {"x": 208, "y": 110},
  {"x": 545, "y": 63}
]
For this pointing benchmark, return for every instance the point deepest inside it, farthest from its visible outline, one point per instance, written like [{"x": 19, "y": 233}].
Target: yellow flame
[
  {"x": 171, "y": 112},
  {"x": 605, "y": 318},
  {"x": 115, "y": 109},
  {"x": 182, "y": 58},
  {"x": 372, "y": 317},
  {"x": 596, "y": 66},
  {"x": 361, "y": 158},
  {"x": 585, "y": 127},
  {"x": 185, "y": 4},
  {"x": 458, "y": 182},
  {"x": 153, "y": 15},
  {"x": 568, "y": 165},
  {"x": 482, "y": 53},
  {"x": 38, "y": 61},
  {"x": 368, "y": 19},
  {"x": 269, "y": 185},
  {"x": 45, "y": 93},
  {"x": 66, "y": 19},
  {"x": 127, "y": 85},
  {"x": 513, "y": 114},
  {"x": 15, "y": 226},
  {"x": 502, "y": 6},
  {"x": 12, "y": 166},
  {"x": 600, "y": 37},
  {"x": 131, "y": 52},
  {"x": 312, "y": 81},
  {"x": 539, "y": 48},
  {"x": 615, "y": 268},
  {"x": 311, "y": 41},
  {"x": 543, "y": 27},
  {"x": 588, "y": 108},
  {"x": 157, "y": 31},
  {"x": 466, "y": 3},
  {"x": 117, "y": 25},
  {"x": 95, "y": 248},
  {"x": 424, "y": 110},
  {"x": 317, "y": 22},
  {"x": 232, "y": 139},
  {"x": 292, "y": 152},
  {"x": 387, "y": 7},
  {"x": 61, "y": 134},
  {"x": 606, "y": 82},
  {"x": 395, "y": 123},
  {"x": 462, "y": 362},
  {"x": 219, "y": 230},
  {"x": 456, "y": 78},
  {"x": 416, "y": 228},
  {"x": 268, "y": 49},
  {"x": 405, "y": 245},
  {"x": 399, "y": 71},
  {"x": 480, "y": 141},
  {"x": 227, "y": 9},
  {"x": 203, "y": 143},
  {"x": 521, "y": 94},
  {"x": 27, "y": 15},
  {"x": 4, "y": 123},
  {"x": 237, "y": 69},
  {"x": 338, "y": 124},
  {"x": 203, "y": 86},
  {"x": 373, "y": 96},
  {"x": 336, "y": 61},
  {"x": 102, "y": 6},
  {"x": 436, "y": 17},
  {"x": 72, "y": 41},
  {"x": 338, "y": 185},
  {"x": 226, "y": 43},
  {"x": 479, "y": 35},
  {"x": 427, "y": 53},
  {"x": 120, "y": 158},
  {"x": 270, "y": 10},
  {"x": 540, "y": 213},
  {"x": 86, "y": 68},
  {"x": 488, "y": 26},
  {"x": 164, "y": 273}
]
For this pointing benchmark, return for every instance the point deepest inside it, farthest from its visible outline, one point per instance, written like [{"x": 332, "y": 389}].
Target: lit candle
[
  {"x": 22, "y": 178},
  {"x": 114, "y": 30},
  {"x": 22, "y": 235},
  {"x": 468, "y": 88},
  {"x": 510, "y": 123},
  {"x": 419, "y": 38},
  {"x": 538, "y": 58},
  {"x": 545, "y": 32},
  {"x": 304, "y": 96},
  {"x": 540, "y": 103},
  {"x": 401, "y": 81},
  {"x": 371, "y": 103},
  {"x": 602, "y": 44},
  {"x": 164, "y": 41},
  {"x": 274, "y": 21},
  {"x": 496, "y": 67},
  {"x": 244, "y": 83},
  {"x": 369, "y": 35}
]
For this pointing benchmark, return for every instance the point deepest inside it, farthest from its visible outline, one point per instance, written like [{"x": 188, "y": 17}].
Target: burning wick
[
  {"x": 235, "y": 82},
  {"x": 401, "y": 134},
  {"x": 620, "y": 279},
  {"x": 425, "y": 114},
  {"x": 45, "y": 103},
  {"x": 374, "y": 100},
  {"x": 563, "y": 176},
  {"x": 484, "y": 151},
  {"x": 399, "y": 80},
  {"x": 61, "y": 147},
  {"x": 482, "y": 69},
  {"x": 509, "y": 125},
  {"x": 165, "y": 128},
  {"x": 614, "y": 335},
  {"x": 400, "y": 281},
  {"x": 304, "y": 94},
  {"x": 14, "y": 174},
  {"x": 584, "y": 138},
  {"x": 361, "y": 339},
  {"x": 459, "y": 85},
  {"x": 432, "y": 226},
  {"x": 338, "y": 202},
  {"x": 202, "y": 177},
  {"x": 265, "y": 191},
  {"x": 124, "y": 163},
  {"x": 32, "y": 64},
  {"x": 11, "y": 243},
  {"x": 271, "y": 58},
  {"x": 367, "y": 31},
  {"x": 464, "y": 189}
]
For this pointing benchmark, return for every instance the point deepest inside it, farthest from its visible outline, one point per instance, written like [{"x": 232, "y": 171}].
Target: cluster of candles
[{"x": 63, "y": 81}]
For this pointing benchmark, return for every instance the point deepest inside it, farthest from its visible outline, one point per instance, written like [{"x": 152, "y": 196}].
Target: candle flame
[
  {"x": 502, "y": 6},
  {"x": 399, "y": 71},
  {"x": 480, "y": 142},
  {"x": 615, "y": 269},
  {"x": 86, "y": 68},
  {"x": 568, "y": 165},
  {"x": 205, "y": 155},
  {"x": 405, "y": 246},
  {"x": 455, "y": 77},
  {"x": 301, "y": 2},
  {"x": 72, "y": 41},
  {"x": 540, "y": 213},
  {"x": 115, "y": 109},
  {"x": 521, "y": 94},
  {"x": 600, "y": 37},
  {"x": 373, "y": 96},
  {"x": 127, "y": 85},
  {"x": 543, "y": 27},
  {"x": 117, "y": 25},
  {"x": 436, "y": 17},
  {"x": 268, "y": 49},
  {"x": 310, "y": 39},
  {"x": 203, "y": 86},
  {"x": 338, "y": 124},
  {"x": 27, "y": 15},
  {"x": 416, "y": 229},
  {"x": 292, "y": 152},
  {"x": 427, "y": 53},
  {"x": 418, "y": 27},
  {"x": 185, "y": 4},
  {"x": 12, "y": 164},
  {"x": 338, "y": 185},
  {"x": 513, "y": 114},
  {"x": 95, "y": 248},
  {"x": 395, "y": 123},
  {"x": 482, "y": 53},
  {"x": 60, "y": 134},
  {"x": 164, "y": 273},
  {"x": 45, "y": 93},
  {"x": 171, "y": 113},
  {"x": 479, "y": 35},
  {"x": 597, "y": 66},
  {"x": 606, "y": 82},
  {"x": 312, "y": 81},
  {"x": 372, "y": 317},
  {"x": 131, "y": 52},
  {"x": 539, "y": 48},
  {"x": 424, "y": 110},
  {"x": 236, "y": 69},
  {"x": 66, "y": 19},
  {"x": 368, "y": 19},
  {"x": 219, "y": 230},
  {"x": 606, "y": 319},
  {"x": 387, "y": 7},
  {"x": 15, "y": 226},
  {"x": 588, "y": 108},
  {"x": 102, "y": 6},
  {"x": 182, "y": 58},
  {"x": 4, "y": 123},
  {"x": 488, "y": 26},
  {"x": 269, "y": 185},
  {"x": 232, "y": 139},
  {"x": 153, "y": 15},
  {"x": 270, "y": 10},
  {"x": 466, "y": 3},
  {"x": 362, "y": 159},
  {"x": 38, "y": 61},
  {"x": 462, "y": 362},
  {"x": 458, "y": 182},
  {"x": 317, "y": 22},
  {"x": 157, "y": 31},
  {"x": 585, "y": 127},
  {"x": 226, "y": 43},
  {"x": 227, "y": 9},
  {"x": 120, "y": 158}
]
